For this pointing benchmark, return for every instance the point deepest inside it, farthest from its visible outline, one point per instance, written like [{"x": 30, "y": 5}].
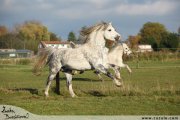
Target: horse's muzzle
[{"x": 117, "y": 37}]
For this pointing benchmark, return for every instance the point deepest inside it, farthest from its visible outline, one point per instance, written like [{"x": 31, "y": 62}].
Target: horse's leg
[
  {"x": 53, "y": 73},
  {"x": 99, "y": 75},
  {"x": 126, "y": 66},
  {"x": 57, "y": 84},
  {"x": 50, "y": 78},
  {"x": 129, "y": 69},
  {"x": 117, "y": 73},
  {"x": 102, "y": 69},
  {"x": 69, "y": 84}
]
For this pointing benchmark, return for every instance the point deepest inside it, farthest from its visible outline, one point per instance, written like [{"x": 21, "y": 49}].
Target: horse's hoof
[
  {"x": 118, "y": 78},
  {"x": 118, "y": 84},
  {"x": 46, "y": 94},
  {"x": 74, "y": 96}
]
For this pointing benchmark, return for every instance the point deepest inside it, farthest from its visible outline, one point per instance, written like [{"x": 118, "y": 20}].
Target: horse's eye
[{"x": 109, "y": 30}]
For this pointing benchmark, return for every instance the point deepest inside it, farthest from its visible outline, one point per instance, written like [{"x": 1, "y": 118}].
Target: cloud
[
  {"x": 156, "y": 7},
  {"x": 64, "y": 15},
  {"x": 85, "y": 9}
]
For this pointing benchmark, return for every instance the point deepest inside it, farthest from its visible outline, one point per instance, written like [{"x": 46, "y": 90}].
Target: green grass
[{"x": 153, "y": 89}]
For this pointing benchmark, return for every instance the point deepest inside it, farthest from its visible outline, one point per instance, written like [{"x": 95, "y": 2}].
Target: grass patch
[{"x": 145, "y": 92}]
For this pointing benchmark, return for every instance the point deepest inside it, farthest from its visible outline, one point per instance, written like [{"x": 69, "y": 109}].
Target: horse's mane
[{"x": 85, "y": 32}]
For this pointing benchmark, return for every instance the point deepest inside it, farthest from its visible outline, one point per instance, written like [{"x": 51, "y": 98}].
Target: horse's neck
[
  {"x": 97, "y": 39},
  {"x": 118, "y": 50}
]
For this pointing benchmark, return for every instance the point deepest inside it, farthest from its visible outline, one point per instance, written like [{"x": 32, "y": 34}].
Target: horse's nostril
[{"x": 117, "y": 37}]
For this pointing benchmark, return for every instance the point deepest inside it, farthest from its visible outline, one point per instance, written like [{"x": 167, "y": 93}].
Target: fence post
[{"x": 137, "y": 65}]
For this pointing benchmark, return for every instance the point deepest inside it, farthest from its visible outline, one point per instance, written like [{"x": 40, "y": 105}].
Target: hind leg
[
  {"x": 51, "y": 77},
  {"x": 69, "y": 84},
  {"x": 102, "y": 69}
]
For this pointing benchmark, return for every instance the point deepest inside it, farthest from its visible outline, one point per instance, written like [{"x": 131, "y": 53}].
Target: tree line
[
  {"x": 25, "y": 36},
  {"x": 28, "y": 35},
  {"x": 156, "y": 35}
]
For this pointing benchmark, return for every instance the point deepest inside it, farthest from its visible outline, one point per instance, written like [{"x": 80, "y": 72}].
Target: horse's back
[{"x": 75, "y": 59}]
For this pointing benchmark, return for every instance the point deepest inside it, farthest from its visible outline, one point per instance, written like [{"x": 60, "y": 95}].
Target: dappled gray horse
[{"x": 91, "y": 55}]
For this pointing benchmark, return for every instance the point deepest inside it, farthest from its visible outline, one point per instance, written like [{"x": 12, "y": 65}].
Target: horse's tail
[{"x": 43, "y": 58}]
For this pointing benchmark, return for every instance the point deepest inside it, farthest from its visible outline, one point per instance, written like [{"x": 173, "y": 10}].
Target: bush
[
  {"x": 18, "y": 61},
  {"x": 23, "y": 61},
  {"x": 153, "y": 56}
]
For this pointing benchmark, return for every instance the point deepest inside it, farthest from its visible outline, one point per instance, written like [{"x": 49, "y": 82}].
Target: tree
[
  {"x": 164, "y": 41},
  {"x": 134, "y": 40},
  {"x": 152, "y": 31},
  {"x": 173, "y": 41},
  {"x": 10, "y": 41},
  {"x": 53, "y": 37},
  {"x": 3, "y": 30},
  {"x": 72, "y": 37},
  {"x": 33, "y": 30},
  {"x": 31, "y": 33},
  {"x": 170, "y": 40}
]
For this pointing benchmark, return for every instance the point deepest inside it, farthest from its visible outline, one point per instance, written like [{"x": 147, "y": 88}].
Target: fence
[{"x": 12, "y": 53}]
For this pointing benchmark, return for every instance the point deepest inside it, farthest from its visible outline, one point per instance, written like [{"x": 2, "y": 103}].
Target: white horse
[
  {"x": 115, "y": 58},
  {"x": 91, "y": 55}
]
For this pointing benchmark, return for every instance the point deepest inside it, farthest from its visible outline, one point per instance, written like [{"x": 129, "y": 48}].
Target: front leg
[
  {"x": 129, "y": 69},
  {"x": 103, "y": 70},
  {"x": 116, "y": 72},
  {"x": 126, "y": 66},
  {"x": 99, "y": 75}
]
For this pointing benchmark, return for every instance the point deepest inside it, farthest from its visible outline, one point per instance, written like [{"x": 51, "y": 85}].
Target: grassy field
[{"x": 152, "y": 89}]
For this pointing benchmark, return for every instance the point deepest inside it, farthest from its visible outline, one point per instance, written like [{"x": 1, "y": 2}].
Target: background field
[{"x": 152, "y": 89}]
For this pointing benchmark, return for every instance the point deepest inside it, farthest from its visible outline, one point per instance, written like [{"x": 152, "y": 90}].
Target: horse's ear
[{"x": 110, "y": 23}]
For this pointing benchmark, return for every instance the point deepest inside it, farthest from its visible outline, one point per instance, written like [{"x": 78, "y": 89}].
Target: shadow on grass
[
  {"x": 31, "y": 90},
  {"x": 94, "y": 93},
  {"x": 84, "y": 79}
]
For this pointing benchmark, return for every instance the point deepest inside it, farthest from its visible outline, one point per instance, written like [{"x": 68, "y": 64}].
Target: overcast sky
[{"x": 63, "y": 16}]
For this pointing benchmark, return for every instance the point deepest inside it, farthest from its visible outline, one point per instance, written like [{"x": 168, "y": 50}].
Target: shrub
[
  {"x": 19, "y": 61},
  {"x": 23, "y": 61}
]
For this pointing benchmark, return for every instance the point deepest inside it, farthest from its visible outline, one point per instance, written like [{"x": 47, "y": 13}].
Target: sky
[{"x": 63, "y": 16}]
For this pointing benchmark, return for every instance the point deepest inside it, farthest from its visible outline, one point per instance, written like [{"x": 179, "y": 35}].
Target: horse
[
  {"x": 91, "y": 55},
  {"x": 115, "y": 56}
]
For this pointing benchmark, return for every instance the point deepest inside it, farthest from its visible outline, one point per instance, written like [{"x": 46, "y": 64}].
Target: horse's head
[
  {"x": 101, "y": 31},
  {"x": 126, "y": 49},
  {"x": 111, "y": 34}
]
